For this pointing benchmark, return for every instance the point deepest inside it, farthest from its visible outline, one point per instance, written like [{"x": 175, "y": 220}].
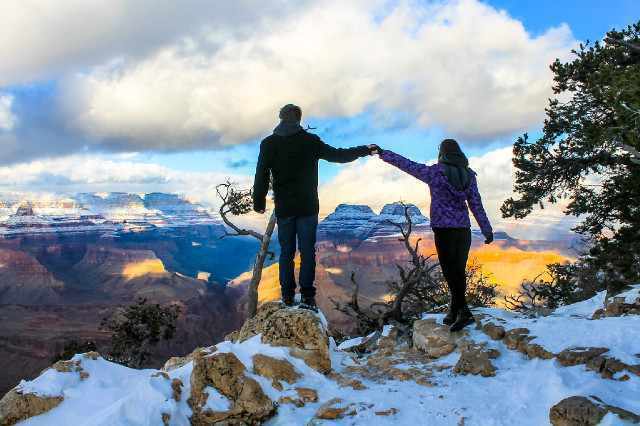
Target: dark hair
[
  {"x": 449, "y": 146},
  {"x": 290, "y": 112}
]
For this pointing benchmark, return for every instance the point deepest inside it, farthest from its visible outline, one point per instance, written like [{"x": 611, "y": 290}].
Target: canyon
[{"x": 66, "y": 263}]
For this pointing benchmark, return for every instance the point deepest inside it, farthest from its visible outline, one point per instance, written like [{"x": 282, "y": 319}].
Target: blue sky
[{"x": 184, "y": 92}]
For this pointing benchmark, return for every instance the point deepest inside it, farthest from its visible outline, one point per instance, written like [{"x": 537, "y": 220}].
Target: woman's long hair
[{"x": 456, "y": 164}]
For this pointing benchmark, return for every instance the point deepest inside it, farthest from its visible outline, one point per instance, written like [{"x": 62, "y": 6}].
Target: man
[{"x": 291, "y": 156}]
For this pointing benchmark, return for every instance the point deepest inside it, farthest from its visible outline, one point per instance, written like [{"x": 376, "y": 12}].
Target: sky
[{"x": 143, "y": 96}]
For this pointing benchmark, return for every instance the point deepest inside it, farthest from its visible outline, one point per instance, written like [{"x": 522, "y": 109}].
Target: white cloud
[
  {"x": 460, "y": 65},
  {"x": 92, "y": 173},
  {"x": 41, "y": 39},
  {"x": 7, "y": 117},
  {"x": 375, "y": 183}
]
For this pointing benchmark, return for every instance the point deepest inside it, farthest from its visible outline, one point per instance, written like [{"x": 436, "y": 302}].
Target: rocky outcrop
[
  {"x": 357, "y": 222},
  {"x": 347, "y": 222},
  {"x": 275, "y": 369},
  {"x": 435, "y": 339},
  {"x": 227, "y": 375},
  {"x": 16, "y": 406},
  {"x": 618, "y": 306},
  {"x": 299, "y": 330},
  {"x": 583, "y": 411},
  {"x": 475, "y": 361},
  {"x": 575, "y": 356}
]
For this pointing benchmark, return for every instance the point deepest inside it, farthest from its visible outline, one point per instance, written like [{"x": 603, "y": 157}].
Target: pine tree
[{"x": 589, "y": 152}]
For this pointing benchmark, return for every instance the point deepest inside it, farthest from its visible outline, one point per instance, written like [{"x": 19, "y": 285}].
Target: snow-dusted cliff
[
  {"x": 108, "y": 213},
  {"x": 357, "y": 222}
]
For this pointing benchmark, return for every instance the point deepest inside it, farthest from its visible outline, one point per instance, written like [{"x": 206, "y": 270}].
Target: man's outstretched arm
[
  {"x": 341, "y": 155},
  {"x": 261, "y": 180}
]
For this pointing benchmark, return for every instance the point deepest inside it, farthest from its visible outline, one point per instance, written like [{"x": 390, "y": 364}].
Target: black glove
[{"x": 488, "y": 238}]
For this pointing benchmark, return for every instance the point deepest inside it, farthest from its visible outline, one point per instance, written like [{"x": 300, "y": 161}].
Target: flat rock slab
[{"x": 435, "y": 339}]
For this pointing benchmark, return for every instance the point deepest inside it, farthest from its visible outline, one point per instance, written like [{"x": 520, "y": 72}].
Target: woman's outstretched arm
[{"x": 417, "y": 170}]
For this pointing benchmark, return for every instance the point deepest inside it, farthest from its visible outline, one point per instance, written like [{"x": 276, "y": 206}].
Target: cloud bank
[{"x": 136, "y": 76}]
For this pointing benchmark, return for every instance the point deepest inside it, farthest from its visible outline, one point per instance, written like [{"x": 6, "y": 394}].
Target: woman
[{"x": 453, "y": 186}]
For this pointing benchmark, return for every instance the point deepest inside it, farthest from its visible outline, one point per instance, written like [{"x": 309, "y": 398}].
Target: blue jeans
[{"x": 302, "y": 229}]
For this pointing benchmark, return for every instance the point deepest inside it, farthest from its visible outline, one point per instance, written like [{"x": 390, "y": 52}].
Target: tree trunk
[{"x": 256, "y": 276}]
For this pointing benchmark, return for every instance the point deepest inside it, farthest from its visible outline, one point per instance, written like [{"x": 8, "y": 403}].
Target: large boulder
[
  {"x": 575, "y": 356},
  {"x": 583, "y": 411},
  {"x": 435, "y": 339},
  {"x": 247, "y": 402},
  {"x": 16, "y": 406},
  {"x": 301, "y": 330}
]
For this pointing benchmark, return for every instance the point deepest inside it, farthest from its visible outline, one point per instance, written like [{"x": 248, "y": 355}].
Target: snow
[
  {"x": 350, "y": 343},
  {"x": 585, "y": 308},
  {"x": 632, "y": 295},
  {"x": 521, "y": 393},
  {"x": 216, "y": 401}
]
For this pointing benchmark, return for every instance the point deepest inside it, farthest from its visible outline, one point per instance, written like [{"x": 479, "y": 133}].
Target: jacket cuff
[{"x": 259, "y": 204}]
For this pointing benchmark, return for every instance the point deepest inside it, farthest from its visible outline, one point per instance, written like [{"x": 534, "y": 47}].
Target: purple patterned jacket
[{"x": 448, "y": 207}]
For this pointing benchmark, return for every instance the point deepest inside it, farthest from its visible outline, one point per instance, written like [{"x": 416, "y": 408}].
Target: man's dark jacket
[{"x": 293, "y": 162}]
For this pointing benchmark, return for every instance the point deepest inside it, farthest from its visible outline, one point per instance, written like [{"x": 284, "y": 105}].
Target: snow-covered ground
[{"x": 521, "y": 393}]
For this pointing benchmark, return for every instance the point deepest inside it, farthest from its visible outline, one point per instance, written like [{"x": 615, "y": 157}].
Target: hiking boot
[
  {"x": 309, "y": 303},
  {"x": 288, "y": 301},
  {"x": 464, "y": 318},
  {"x": 451, "y": 316}
]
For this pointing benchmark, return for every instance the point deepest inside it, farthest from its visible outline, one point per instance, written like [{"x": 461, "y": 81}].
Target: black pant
[
  {"x": 302, "y": 228},
  {"x": 452, "y": 245}
]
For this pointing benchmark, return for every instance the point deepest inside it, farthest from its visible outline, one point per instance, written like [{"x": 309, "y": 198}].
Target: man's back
[{"x": 293, "y": 162}]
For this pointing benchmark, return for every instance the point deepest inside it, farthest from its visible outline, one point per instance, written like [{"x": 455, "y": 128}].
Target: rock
[
  {"x": 16, "y": 406},
  {"x": 608, "y": 367},
  {"x": 576, "y": 356},
  {"x": 475, "y": 361},
  {"x": 179, "y": 361},
  {"x": 493, "y": 353},
  {"x": 225, "y": 373},
  {"x": 618, "y": 307},
  {"x": 298, "y": 329},
  {"x": 291, "y": 400},
  {"x": 435, "y": 339},
  {"x": 176, "y": 388},
  {"x": 533, "y": 350},
  {"x": 390, "y": 412},
  {"x": 166, "y": 419},
  {"x": 332, "y": 410},
  {"x": 307, "y": 394},
  {"x": 583, "y": 411},
  {"x": 274, "y": 369},
  {"x": 496, "y": 332},
  {"x": 576, "y": 411},
  {"x": 513, "y": 337}
]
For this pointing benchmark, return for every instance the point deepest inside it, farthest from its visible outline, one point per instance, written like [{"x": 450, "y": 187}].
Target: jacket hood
[{"x": 287, "y": 128}]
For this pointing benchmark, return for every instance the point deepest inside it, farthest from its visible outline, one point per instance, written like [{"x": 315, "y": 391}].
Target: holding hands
[{"x": 374, "y": 149}]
